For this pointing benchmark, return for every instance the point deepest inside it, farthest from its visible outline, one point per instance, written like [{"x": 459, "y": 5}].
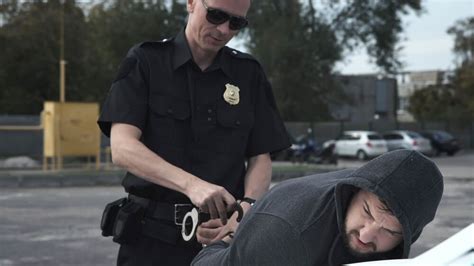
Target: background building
[
  {"x": 369, "y": 98},
  {"x": 409, "y": 82}
]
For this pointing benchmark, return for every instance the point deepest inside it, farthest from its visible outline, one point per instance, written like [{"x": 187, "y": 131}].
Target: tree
[
  {"x": 94, "y": 46},
  {"x": 453, "y": 102},
  {"x": 300, "y": 44},
  {"x": 463, "y": 32},
  {"x": 115, "y": 26},
  {"x": 29, "y": 42},
  {"x": 8, "y": 8},
  {"x": 464, "y": 84},
  {"x": 434, "y": 103}
]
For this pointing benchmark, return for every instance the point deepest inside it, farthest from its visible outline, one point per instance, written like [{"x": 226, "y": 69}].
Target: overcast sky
[{"x": 427, "y": 45}]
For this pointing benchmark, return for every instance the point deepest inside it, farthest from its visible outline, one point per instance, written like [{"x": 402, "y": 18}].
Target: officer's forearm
[
  {"x": 135, "y": 157},
  {"x": 258, "y": 177}
]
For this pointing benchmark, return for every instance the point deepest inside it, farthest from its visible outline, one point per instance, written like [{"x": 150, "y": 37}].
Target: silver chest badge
[{"x": 231, "y": 94}]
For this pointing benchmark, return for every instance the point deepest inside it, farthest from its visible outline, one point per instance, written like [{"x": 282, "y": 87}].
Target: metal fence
[
  {"x": 30, "y": 143},
  {"x": 20, "y": 135}
]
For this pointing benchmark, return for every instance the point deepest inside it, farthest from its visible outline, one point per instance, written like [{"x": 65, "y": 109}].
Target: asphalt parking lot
[{"x": 60, "y": 226}]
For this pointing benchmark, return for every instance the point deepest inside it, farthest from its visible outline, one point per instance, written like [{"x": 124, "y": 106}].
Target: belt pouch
[
  {"x": 128, "y": 224},
  {"x": 109, "y": 216}
]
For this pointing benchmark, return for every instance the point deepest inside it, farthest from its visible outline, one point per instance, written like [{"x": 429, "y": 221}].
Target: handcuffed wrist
[{"x": 248, "y": 200}]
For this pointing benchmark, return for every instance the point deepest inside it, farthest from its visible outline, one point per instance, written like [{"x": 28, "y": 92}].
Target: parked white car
[
  {"x": 405, "y": 139},
  {"x": 360, "y": 144}
]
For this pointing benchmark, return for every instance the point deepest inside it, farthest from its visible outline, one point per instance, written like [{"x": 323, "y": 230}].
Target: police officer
[{"x": 193, "y": 122}]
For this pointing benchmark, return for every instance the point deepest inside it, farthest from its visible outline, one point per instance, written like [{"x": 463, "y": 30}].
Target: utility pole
[
  {"x": 62, "y": 62},
  {"x": 62, "y": 84}
]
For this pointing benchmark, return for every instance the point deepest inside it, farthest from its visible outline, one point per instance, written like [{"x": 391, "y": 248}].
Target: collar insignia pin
[{"x": 231, "y": 94}]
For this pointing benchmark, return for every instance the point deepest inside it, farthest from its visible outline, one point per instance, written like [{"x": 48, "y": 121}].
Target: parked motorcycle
[{"x": 306, "y": 149}]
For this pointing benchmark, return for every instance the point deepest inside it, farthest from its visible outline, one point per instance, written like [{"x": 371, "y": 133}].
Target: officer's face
[
  {"x": 370, "y": 227},
  {"x": 205, "y": 35}
]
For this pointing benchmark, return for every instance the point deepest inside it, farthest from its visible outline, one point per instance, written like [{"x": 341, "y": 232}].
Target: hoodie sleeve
[{"x": 262, "y": 240}]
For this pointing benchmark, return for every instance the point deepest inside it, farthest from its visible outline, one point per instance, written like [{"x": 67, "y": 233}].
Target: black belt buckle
[{"x": 180, "y": 211}]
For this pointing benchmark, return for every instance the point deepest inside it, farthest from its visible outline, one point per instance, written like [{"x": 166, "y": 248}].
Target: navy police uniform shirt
[{"x": 205, "y": 122}]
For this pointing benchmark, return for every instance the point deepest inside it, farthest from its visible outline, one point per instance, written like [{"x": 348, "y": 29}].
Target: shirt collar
[{"x": 182, "y": 53}]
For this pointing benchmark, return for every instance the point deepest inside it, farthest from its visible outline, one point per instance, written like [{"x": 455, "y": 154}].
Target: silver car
[
  {"x": 360, "y": 144},
  {"x": 405, "y": 139}
]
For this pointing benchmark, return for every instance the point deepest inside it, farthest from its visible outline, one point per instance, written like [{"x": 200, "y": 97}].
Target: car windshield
[
  {"x": 374, "y": 136},
  {"x": 414, "y": 135},
  {"x": 300, "y": 138},
  {"x": 443, "y": 135}
]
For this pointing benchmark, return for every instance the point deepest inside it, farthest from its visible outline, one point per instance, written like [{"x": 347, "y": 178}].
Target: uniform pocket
[
  {"x": 170, "y": 107},
  {"x": 169, "y": 121}
]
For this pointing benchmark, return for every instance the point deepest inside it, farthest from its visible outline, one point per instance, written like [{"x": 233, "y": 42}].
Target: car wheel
[{"x": 361, "y": 155}]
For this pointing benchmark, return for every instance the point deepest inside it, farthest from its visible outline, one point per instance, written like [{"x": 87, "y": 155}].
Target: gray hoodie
[{"x": 301, "y": 221}]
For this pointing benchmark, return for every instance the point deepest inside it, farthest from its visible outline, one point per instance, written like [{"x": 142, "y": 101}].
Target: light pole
[{"x": 62, "y": 62}]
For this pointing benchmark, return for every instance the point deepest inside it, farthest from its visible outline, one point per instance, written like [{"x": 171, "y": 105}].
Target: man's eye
[
  {"x": 366, "y": 210},
  {"x": 392, "y": 233}
]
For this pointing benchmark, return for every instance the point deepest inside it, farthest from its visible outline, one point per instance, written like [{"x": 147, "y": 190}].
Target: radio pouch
[
  {"x": 110, "y": 215},
  {"x": 128, "y": 224}
]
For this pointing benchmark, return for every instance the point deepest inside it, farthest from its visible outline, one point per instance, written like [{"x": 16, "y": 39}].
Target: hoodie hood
[{"x": 410, "y": 184}]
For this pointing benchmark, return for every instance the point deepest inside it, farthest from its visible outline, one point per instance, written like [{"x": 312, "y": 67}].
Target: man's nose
[
  {"x": 368, "y": 233},
  {"x": 224, "y": 28}
]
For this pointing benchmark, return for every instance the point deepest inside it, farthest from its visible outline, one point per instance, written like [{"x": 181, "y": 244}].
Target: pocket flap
[{"x": 170, "y": 106}]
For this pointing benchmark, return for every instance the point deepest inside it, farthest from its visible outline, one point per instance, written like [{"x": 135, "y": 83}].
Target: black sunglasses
[{"x": 217, "y": 17}]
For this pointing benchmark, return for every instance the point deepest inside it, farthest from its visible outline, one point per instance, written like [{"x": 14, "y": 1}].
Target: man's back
[{"x": 293, "y": 224}]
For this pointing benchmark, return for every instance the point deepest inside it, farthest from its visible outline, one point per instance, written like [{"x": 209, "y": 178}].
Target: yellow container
[{"x": 70, "y": 129}]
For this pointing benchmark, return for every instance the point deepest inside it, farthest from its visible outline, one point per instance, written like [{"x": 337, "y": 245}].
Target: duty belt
[{"x": 163, "y": 211}]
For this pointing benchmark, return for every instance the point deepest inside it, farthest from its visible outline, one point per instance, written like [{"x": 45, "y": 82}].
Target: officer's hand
[{"x": 210, "y": 198}]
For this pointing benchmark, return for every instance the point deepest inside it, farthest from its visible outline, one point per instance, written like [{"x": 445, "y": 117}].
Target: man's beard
[
  {"x": 346, "y": 238},
  {"x": 363, "y": 256},
  {"x": 354, "y": 252}
]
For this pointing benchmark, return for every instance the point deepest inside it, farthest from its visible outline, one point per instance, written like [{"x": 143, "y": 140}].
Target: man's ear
[{"x": 190, "y": 5}]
